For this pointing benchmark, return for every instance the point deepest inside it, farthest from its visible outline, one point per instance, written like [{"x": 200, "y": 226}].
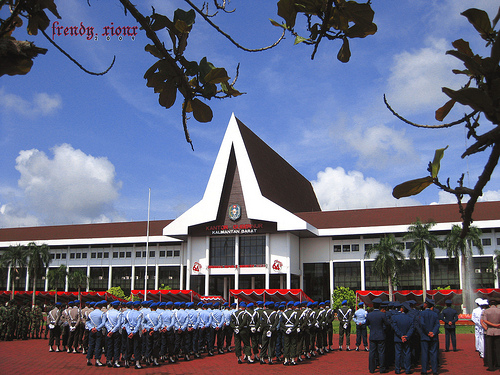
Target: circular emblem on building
[
  {"x": 234, "y": 212},
  {"x": 196, "y": 267},
  {"x": 277, "y": 265}
]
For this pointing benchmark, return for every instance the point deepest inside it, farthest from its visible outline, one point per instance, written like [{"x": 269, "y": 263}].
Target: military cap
[
  {"x": 397, "y": 304},
  {"x": 115, "y": 303},
  {"x": 322, "y": 304},
  {"x": 225, "y": 304},
  {"x": 290, "y": 303},
  {"x": 448, "y": 301},
  {"x": 309, "y": 304},
  {"x": 216, "y": 304},
  {"x": 361, "y": 303},
  {"x": 129, "y": 304},
  {"x": 429, "y": 301},
  {"x": 169, "y": 303},
  {"x": 344, "y": 302},
  {"x": 233, "y": 304},
  {"x": 377, "y": 300},
  {"x": 137, "y": 303},
  {"x": 243, "y": 304},
  {"x": 250, "y": 305},
  {"x": 407, "y": 305}
]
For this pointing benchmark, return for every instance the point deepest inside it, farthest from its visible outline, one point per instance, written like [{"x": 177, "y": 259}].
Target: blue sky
[{"x": 76, "y": 148}]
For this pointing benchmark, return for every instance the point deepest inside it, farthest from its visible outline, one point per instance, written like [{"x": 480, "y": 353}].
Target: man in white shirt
[{"x": 476, "y": 319}]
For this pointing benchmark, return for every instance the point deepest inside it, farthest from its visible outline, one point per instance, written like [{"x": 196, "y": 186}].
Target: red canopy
[
  {"x": 168, "y": 295},
  {"x": 64, "y": 297},
  {"x": 275, "y": 295},
  {"x": 207, "y": 299},
  {"x": 440, "y": 296}
]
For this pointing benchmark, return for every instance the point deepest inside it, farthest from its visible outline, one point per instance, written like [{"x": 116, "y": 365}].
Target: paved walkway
[{"x": 33, "y": 357}]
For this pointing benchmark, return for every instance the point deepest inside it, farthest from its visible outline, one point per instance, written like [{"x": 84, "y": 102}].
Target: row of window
[
  {"x": 117, "y": 254},
  {"x": 252, "y": 250}
]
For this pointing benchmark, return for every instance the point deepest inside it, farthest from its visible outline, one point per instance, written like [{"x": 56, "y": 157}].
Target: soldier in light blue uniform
[
  {"x": 180, "y": 325},
  {"x": 113, "y": 339},
  {"x": 132, "y": 322},
  {"x": 145, "y": 309},
  {"x": 218, "y": 328},
  {"x": 228, "y": 331},
  {"x": 167, "y": 335},
  {"x": 192, "y": 330},
  {"x": 95, "y": 325},
  {"x": 151, "y": 329},
  {"x": 205, "y": 320},
  {"x": 359, "y": 319}
]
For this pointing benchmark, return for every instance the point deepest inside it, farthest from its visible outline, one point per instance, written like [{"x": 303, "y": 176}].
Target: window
[
  {"x": 115, "y": 254},
  {"x": 58, "y": 256},
  {"x": 72, "y": 256},
  {"x": 346, "y": 248},
  {"x": 138, "y": 254},
  {"x": 252, "y": 250},
  {"x": 368, "y": 246},
  {"x": 486, "y": 241},
  {"x": 355, "y": 247},
  {"x": 63, "y": 256},
  {"x": 162, "y": 253},
  {"x": 152, "y": 254},
  {"x": 84, "y": 255},
  {"x": 408, "y": 245},
  {"x": 221, "y": 251},
  {"x": 93, "y": 255},
  {"x": 106, "y": 255},
  {"x": 52, "y": 256},
  {"x": 128, "y": 254},
  {"x": 122, "y": 254},
  {"x": 170, "y": 253},
  {"x": 99, "y": 255},
  {"x": 177, "y": 253},
  {"x": 79, "y": 255},
  {"x": 337, "y": 248}
]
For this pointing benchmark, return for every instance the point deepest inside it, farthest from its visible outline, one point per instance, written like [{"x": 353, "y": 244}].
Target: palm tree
[
  {"x": 389, "y": 253},
  {"x": 57, "y": 276},
  {"x": 78, "y": 279},
  {"x": 423, "y": 244},
  {"x": 14, "y": 257},
  {"x": 461, "y": 248},
  {"x": 38, "y": 261}
]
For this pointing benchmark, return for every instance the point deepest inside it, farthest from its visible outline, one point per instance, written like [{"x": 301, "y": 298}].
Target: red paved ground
[{"x": 32, "y": 357}]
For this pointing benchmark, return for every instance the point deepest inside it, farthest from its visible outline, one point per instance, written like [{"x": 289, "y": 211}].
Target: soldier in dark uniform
[
  {"x": 403, "y": 327},
  {"x": 54, "y": 323},
  {"x": 289, "y": 325},
  {"x": 344, "y": 314},
  {"x": 330, "y": 317},
  {"x": 268, "y": 325},
  {"x": 253, "y": 326},
  {"x": 239, "y": 324},
  {"x": 376, "y": 321},
  {"x": 429, "y": 327},
  {"x": 449, "y": 316}
]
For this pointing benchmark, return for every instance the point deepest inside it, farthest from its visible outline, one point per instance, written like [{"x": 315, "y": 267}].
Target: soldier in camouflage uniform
[
  {"x": 24, "y": 322},
  {"x": 3, "y": 322},
  {"x": 36, "y": 321},
  {"x": 11, "y": 320}
]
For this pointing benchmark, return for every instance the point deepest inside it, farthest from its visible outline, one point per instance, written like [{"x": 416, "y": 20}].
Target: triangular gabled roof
[{"x": 272, "y": 188}]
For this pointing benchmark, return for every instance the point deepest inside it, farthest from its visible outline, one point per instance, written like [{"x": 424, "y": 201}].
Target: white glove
[
  {"x": 236, "y": 331},
  {"x": 298, "y": 330},
  {"x": 268, "y": 334},
  {"x": 345, "y": 325},
  {"x": 317, "y": 325},
  {"x": 288, "y": 331},
  {"x": 253, "y": 329}
]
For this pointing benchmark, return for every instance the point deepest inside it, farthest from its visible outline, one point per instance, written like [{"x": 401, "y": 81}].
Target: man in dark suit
[
  {"x": 449, "y": 316},
  {"x": 428, "y": 328},
  {"x": 377, "y": 322},
  {"x": 403, "y": 327}
]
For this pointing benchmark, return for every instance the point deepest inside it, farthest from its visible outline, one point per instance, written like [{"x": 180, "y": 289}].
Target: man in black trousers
[{"x": 377, "y": 322}]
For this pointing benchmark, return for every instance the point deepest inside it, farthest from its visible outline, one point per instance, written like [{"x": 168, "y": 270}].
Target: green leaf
[
  {"x": 287, "y": 11},
  {"x": 344, "y": 53},
  {"x": 201, "y": 111},
  {"x": 217, "y": 75},
  {"x": 299, "y": 39},
  {"x": 187, "y": 17},
  {"x": 473, "y": 64},
  {"x": 480, "y": 20},
  {"x": 442, "y": 112},
  {"x": 160, "y": 22},
  {"x": 436, "y": 163},
  {"x": 168, "y": 94},
  {"x": 412, "y": 187},
  {"x": 153, "y": 50},
  {"x": 463, "y": 47},
  {"x": 477, "y": 99},
  {"x": 274, "y": 23},
  {"x": 359, "y": 30},
  {"x": 204, "y": 68}
]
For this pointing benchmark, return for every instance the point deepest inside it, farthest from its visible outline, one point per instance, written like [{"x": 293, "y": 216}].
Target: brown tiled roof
[
  {"x": 278, "y": 180},
  {"x": 82, "y": 231},
  {"x": 440, "y": 213}
]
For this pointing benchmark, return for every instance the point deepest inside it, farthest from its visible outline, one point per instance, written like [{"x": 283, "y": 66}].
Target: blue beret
[
  {"x": 129, "y": 303},
  {"x": 327, "y": 302},
  {"x": 200, "y": 304},
  {"x": 322, "y": 304},
  {"x": 361, "y": 304},
  {"x": 290, "y": 303},
  {"x": 243, "y": 304},
  {"x": 169, "y": 303},
  {"x": 260, "y": 303},
  {"x": 250, "y": 304},
  {"x": 216, "y": 304},
  {"x": 225, "y": 304},
  {"x": 92, "y": 303},
  {"x": 137, "y": 303},
  {"x": 309, "y": 304},
  {"x": 115, "y": 303},
  {"x": 344, "y": 302},
  {"x": 297, "y": 304},
  {"x": 233, "y": 304},
  {"x": 58, "y": 303}
]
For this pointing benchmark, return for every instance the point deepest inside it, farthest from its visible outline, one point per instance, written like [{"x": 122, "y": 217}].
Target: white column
[
  {"x": 66, "y": 285},
  {"x": 46, "y": 286},
  {"x": 363, "y": 285},
  {"x": 268, "y": 261},
  {"x": 110, "y": 276},
  {"x": 88, "y": 275},
  {"x": 289, "y": 269},
  {"x": 495, "y": 273},
  {"x": 132, "y": 279},
  {"x": 8, "y": 278},
  {"x": 237, "y": 262},
  {"x": 332, "y": 284},
  {"x": 189, "y": 254},
  {"x": 207, "y": 271},
  {"x": 157, "y": 270},
  {"x": 27, "y": 283},
  {"x": 226, "y": 288},
  {"x": 460, "y": 274},
  {"x": 427, "y": 274}
]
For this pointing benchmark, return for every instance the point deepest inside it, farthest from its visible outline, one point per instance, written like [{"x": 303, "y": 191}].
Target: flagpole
[{"x": 147, "y": 249}]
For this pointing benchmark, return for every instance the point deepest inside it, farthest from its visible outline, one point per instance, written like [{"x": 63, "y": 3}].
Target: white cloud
[
  {"x": 73, "y": 187},
  {"x": 43, "y": 104},
  {"x": 417, "y": 77},
  {"x": 378, "y": 146},
  {"x": 488, "y": 196},
  {"x": 337, "y": 189}
]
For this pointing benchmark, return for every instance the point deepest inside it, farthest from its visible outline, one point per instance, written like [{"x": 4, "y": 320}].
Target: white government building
[{"x": 258, "y": 226}]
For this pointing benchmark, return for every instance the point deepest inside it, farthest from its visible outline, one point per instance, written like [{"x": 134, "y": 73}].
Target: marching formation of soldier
[{"x": 20, "y": 322}]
